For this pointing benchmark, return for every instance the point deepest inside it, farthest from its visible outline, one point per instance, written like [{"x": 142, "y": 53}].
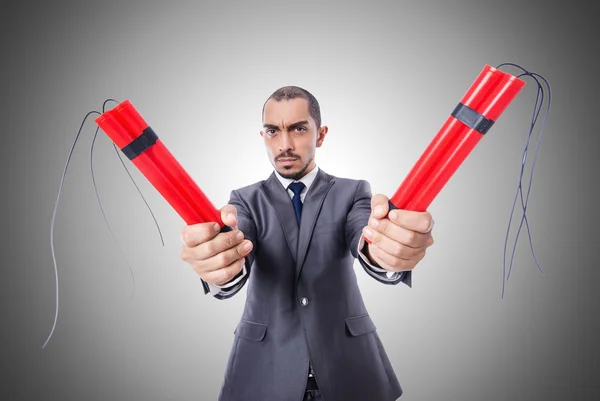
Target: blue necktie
[{"x": 297, "y": 188}]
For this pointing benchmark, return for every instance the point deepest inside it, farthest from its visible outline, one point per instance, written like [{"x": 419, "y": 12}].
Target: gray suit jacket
[{"x": 303, "y": 302}]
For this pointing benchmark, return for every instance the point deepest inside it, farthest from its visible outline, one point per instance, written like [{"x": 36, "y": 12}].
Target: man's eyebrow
[
  {"x": 297, "y": 124},
  {"x": 291, "y": 126}
]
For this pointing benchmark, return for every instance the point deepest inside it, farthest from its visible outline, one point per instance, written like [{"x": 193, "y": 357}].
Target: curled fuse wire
[
  {"x": 52, "y": 225},
  {"x": 539, "y": 101}
]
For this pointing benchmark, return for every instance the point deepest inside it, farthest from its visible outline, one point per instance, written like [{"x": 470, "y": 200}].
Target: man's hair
[{"x": 294, "y": 92}]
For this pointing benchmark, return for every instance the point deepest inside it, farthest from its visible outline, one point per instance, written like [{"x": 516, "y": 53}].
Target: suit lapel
[
  {"x": 280, "y": 199},
  {"x": 298, "y": 238},
  {"x": 313, "y": 201}
]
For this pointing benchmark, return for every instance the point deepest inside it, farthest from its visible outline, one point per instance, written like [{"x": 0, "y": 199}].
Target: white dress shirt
[{"x": 307, "y": 180}]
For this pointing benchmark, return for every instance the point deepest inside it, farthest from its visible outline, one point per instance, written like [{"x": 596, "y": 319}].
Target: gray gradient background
[{"x": 387, "y": 75}]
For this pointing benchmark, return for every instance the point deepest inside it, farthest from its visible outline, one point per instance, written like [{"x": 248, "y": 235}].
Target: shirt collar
[{"x": 307, "y": 180}]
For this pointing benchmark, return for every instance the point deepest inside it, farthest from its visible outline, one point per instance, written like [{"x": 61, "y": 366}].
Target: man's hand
[
  {"x": 216, "y": 257},
  {"x": 398, "y": 240}
]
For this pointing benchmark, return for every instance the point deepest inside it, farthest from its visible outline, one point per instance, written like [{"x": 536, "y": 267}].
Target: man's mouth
[{"x": 286, "y": 160}]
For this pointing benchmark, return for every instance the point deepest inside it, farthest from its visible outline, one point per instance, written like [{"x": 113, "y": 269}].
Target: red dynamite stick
[
  {"x": 173, "y": 172},
  {"x": 121, "y": 137},
  {"x": 489, "y": 95},
  {"x": 493, "y": 106},
  {"x": 130, "y": 132},
  {"x": 485, "y": 82}
]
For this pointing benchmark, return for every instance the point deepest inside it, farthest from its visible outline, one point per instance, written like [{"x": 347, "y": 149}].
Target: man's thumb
[
  {"x": 379, "y": 206},
  {"x": 229, "y": 216}
]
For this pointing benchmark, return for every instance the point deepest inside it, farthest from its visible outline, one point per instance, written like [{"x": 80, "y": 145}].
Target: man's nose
[{"x": 285, "y": 142}]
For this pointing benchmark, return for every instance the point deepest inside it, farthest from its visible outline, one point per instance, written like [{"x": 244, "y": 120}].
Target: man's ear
[
  {"x": 261, "y": 133},
  {"x": 321, "y": 135}
]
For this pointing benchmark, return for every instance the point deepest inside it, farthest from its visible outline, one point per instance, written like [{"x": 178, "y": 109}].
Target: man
[{"x": 305, "y": 332}]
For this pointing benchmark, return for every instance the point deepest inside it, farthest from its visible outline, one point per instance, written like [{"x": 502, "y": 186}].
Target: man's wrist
[{"x": 367, "y": 253}]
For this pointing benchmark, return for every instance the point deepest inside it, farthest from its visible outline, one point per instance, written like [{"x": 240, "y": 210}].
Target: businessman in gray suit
[{"x": 305, "y": 332}]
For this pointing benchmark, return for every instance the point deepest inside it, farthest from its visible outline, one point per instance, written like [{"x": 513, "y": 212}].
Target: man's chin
[
  {"x": 293, "y": 171},
  {"x": 288, "y": 172}
]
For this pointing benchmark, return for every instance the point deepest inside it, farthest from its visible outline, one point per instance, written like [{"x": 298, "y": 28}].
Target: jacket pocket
[
  {"x": 250, "y": 331},
  {"x": 360, "y": 325}
]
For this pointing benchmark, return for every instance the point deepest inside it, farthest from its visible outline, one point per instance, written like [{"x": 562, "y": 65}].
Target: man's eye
[
  {"x": 270, "y": 131},
  {"x": 300, "y": 129}
]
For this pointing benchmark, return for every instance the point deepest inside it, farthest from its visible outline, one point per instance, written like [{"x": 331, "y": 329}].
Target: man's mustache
[{"x": 287, "y": 156}]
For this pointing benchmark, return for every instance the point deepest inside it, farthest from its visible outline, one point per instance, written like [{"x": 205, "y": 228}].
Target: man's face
[{"x": 291, "y": 137}]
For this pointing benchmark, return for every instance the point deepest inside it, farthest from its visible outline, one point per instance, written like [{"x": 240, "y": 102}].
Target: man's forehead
[{"x": 286, "y": 111}]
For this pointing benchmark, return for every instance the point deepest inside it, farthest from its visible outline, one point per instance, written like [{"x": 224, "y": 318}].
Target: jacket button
[{"x": 304, "y": 301}]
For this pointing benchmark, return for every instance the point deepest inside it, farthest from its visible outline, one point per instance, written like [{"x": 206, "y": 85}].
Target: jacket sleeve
[
  {"x": 358, "y": 218},
  {"x": 248, "y": 227}
]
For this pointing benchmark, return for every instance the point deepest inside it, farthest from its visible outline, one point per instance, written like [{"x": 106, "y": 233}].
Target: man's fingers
[
  {"x": 195, "y": 234},
  {"x": 221, "y": 243},
  {"x": 225, "y": 258},
  {"x": 385, "y": 227},
  {"x": 379, "y": 206},
  {"x": 430, "y": 226},
  {"x": 395, "y": 248},
  {"x": 415, "y": 221},
  {"x": 224, "y": 274},
  {"x": 229, "y": 216},
  {"x": 390, "y": 262}
]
